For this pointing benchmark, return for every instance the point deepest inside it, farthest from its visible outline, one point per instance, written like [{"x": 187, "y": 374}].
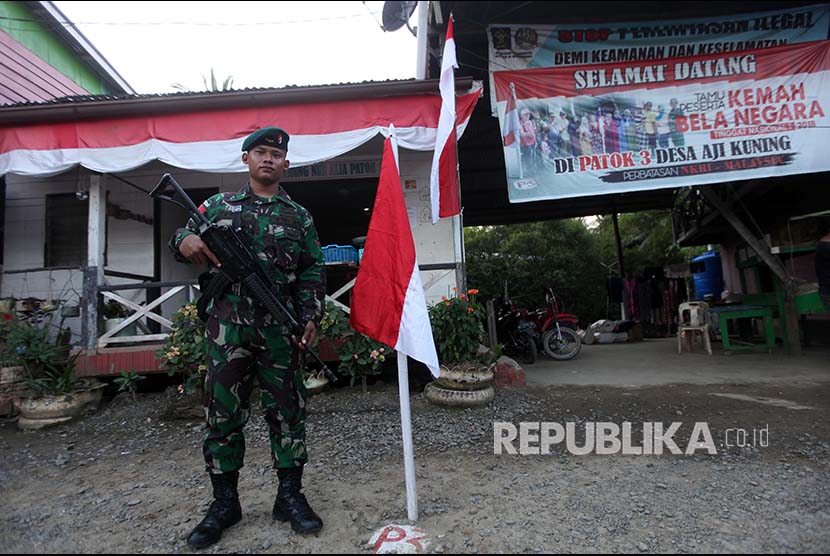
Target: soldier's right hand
[{"x": 194, "y": 249}]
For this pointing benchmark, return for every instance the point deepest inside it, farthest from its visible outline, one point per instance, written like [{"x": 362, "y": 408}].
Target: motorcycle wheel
[
  {"x": 529, "y": 352},
  {"x": 568, "y": 348}
]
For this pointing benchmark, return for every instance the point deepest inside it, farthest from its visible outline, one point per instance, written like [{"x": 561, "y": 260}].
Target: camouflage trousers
[{"x": 236, "y": 355}]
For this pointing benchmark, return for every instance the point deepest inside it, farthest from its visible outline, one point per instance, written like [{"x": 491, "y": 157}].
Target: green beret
[{"x": 268, "y": 136}]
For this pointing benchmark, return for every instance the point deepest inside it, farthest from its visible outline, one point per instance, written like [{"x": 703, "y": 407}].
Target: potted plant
[
  {"x": 359, "y": 355},
  {"x": 184, "y": 351},
  {"x": 466, "y": 370},
  {"x": 54, "y": 394},
  {"x": 11, "y": 367},
  {"x": 12, "y": 372},
  {"x": 334, "y": 326},
  {"x": 114, "y": 314}
]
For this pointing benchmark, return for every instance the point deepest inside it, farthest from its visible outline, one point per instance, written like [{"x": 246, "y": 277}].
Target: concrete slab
[
  {"x": 399, "y": 539},
  {"x": 656, "y": 362}
]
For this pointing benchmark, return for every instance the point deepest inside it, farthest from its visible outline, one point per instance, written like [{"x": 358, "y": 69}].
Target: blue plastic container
[
  {"x": 707, "y": 272},
  {"x": 340, "y": 254}
]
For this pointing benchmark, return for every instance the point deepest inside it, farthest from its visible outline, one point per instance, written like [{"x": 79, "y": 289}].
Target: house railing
[{"x": 145, "y": 311}]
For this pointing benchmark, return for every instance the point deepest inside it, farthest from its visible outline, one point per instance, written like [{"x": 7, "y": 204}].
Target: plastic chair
[{"x": 696, "y": 323}]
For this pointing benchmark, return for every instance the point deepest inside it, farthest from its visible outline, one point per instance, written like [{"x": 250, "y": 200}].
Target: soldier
[{"x": 244, "y": 342}]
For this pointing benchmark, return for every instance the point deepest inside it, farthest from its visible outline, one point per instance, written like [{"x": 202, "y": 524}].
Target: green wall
[{"x": 42, "y": 43}]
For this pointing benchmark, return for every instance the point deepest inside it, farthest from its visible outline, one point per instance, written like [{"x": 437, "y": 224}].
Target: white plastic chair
[{"x": 696, "y": 323}]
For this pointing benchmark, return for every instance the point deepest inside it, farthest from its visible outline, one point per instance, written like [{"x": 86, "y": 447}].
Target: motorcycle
[
  {"x": 517, "y": 332},
  {"x": 559, "y": 339}
]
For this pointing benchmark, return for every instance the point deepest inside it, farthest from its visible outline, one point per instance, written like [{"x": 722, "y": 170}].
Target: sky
[{"x": 154, "y": 45}]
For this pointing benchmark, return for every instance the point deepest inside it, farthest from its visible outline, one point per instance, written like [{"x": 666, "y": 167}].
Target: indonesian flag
[
  {"x": 388, "y": 302},
  {"x": 511, "y": 121},
  {"x": 443, "y": 180}
]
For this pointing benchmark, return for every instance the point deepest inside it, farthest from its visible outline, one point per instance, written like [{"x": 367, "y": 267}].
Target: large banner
[
  {"x": 516, "y": 47},
  {"x": 583, "y": 130}
]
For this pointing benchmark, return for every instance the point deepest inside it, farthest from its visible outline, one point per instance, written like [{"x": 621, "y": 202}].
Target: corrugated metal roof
[
  {"x": 79, "y": 99},
  {"x": 92, "y": 107}
]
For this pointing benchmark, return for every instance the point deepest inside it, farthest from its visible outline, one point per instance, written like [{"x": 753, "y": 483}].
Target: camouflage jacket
[{"x": 283, "y": 236}]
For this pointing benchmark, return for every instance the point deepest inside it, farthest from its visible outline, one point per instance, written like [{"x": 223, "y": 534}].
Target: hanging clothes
[
  {"x": 631, "y": 307},
  {"x": 644, "y": 299}
]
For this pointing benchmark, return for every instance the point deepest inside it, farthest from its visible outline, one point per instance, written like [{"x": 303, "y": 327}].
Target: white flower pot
[
  {"x": 459, "y": 398},
  {"x": 44, "y": 411},
  {"x": 130, "y": 330},
  {"x": 466, "y": 376}
]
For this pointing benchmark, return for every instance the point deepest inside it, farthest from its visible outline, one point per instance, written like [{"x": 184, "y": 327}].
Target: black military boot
[
  {"x": 292, "y": 505},
  {"x": 223, "y": 512}
]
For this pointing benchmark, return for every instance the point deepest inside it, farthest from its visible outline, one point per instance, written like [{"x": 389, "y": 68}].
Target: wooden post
[
  {"x": 618, "y": 241},
  {"x": 620, "y": 260},
  {"x": 790, "y": 316},
  {"x": 421, "y": 57},
  {"x": 89, "y": 310},
  {"x": 96, "y": 242},
  {"x": 491, "y": 324},
  {"x": 458, "y": 242},
  {"x": 158, "y": 246}
]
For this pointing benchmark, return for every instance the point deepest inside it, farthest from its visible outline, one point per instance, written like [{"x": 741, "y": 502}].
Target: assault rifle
[{"x": 238, "y": 263}]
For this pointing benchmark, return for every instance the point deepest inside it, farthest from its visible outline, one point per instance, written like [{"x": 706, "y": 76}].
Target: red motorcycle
[{"x": 557, "y": 331}]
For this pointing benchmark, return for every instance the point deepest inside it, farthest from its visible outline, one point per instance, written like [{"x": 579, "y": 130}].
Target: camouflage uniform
[{"x": 244, "y": 341}]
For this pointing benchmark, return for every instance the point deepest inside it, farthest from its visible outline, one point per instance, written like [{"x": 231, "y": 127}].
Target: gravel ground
[{"x": 130, "y": 477}]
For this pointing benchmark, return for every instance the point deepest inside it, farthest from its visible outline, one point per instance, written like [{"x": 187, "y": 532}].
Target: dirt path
[{"x": 116, "y": 482}]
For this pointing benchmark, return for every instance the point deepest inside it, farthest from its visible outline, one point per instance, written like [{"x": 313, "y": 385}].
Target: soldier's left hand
[{"x": 309, "y": 335}]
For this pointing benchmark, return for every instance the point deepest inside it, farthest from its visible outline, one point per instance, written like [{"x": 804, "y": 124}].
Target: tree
[
  {"x": 569, "y": 257},
  {"x": 647, "y": 241},
  {"x": 227, "y": 84},
  {"x": 527, "y": 258}
]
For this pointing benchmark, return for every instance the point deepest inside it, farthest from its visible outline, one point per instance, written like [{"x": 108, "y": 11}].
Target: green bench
[{"x": 726, "y": 313}]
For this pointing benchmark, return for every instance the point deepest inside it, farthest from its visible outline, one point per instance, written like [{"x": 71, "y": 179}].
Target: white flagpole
[
  {"x": 403, "y": 389},
  {"x": 406, "y": 430}
]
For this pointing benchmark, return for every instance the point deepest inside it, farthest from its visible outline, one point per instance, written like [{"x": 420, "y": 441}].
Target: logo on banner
[
  {"x": 501, "y": 38},
  {"x": 524, "y": 184},
  {"x": 527, "y": 38}
]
